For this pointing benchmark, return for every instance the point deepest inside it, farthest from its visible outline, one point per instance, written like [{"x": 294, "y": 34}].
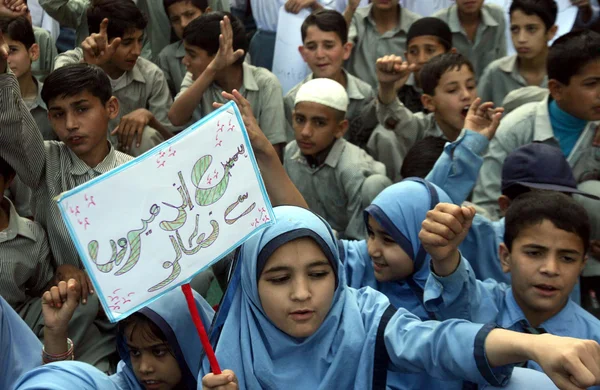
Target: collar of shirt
[
  {"x": 352, "y": 88},
  {"x": 249, "y": 81},
  {"x": 79, "y": 168},
  {"x": 39, "y": 102},
  {"x": 559, "y": 324},
  {"x": 332, "y": 158},
  {"x": 135, "y": 74},
  {"x": 17, "y": 225},
  {"x": 542, "y": 129},
  {"x": 510, "y": 65},
  {"x": 454, "y": 22},
  {"x": 403, "y": 25}
]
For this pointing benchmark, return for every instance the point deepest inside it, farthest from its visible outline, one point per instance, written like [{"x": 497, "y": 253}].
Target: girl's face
[
  {"x": 390, "y": 261},
  {"x": 154, "y": 365},
  {"x": 296, "y": 287}
]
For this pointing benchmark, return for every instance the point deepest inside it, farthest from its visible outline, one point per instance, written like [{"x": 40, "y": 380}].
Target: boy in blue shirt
[{"x": 546, "y": 239}]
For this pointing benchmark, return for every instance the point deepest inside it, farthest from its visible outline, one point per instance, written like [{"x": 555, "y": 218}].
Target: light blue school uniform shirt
[{"x": 461, "y": 295}]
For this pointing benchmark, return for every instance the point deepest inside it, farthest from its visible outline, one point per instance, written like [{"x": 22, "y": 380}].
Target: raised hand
[
  {"x": 295, "y": 6},
  {"x": 66, "y": 272},
  {"x": 224, "y": 381},
  {"x": 13, "y": 8},
  {"x": 96, "y": 49},
  {"x": 59, "y": 304},
  {"x": 393, "y": 70},
  {"x": 225, "y": 56},
  {"x": 483, "y": 118},
  {"x": 444, "y": 228},
  {"x": 131, "y": 128}
]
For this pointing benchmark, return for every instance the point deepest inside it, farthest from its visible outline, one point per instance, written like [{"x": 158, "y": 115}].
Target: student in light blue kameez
[{"x": 66, "y": 375}]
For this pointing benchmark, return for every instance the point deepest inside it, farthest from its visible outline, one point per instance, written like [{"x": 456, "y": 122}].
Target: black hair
[
  {"x": 545, "y": 9},
  {"x": 514, "y": 191},
  {"x": 421, "y": 157},
  {"x": 326, "y": 20},
  {"x": 76, "y": 78},
  {"x": 534, "y": 207},
  {"x": 204, "y": 31},
  {"x": 123, "y": 16},
  {"x": 200, "y": 4},
  {"x": 18, "y": 29},
  {"x": 149, "y": 330},
  {"x": 6, "y": 170},
  {"x": 570, "y": 53},
  {"x": 434, "y": 69}
]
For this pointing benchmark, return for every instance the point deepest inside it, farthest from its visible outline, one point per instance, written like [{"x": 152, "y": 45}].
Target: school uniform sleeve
[
  {"x": 22, "y": 143},
  {"x": 461, "y": 295},
  {"x": 457, "y": 169},
  {"x": 69, "y": 57},
  {"x": 68, "y": 13},
  {"x": 449, "y": 350},
  {"x": 353, "y": 30}
]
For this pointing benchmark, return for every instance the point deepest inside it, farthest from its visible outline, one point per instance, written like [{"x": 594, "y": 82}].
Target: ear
[
  {"x": 504, "y": 255},
  {"x": 112, "y": 107},
  {"x": 428, "y": 103},
  {"x": 347, "y": 49},
  {"x": 34, "y": 52},
  {"x": 556, "y": 89},
  {"x": 551, "y": 33},
  {"x": 207, "y": 10},
  {"x": 341, "y": 129},
  {"x": 302, "y": 51},
  {"x": 453, "y": 50},
  {"x": 503, "y": 202}
]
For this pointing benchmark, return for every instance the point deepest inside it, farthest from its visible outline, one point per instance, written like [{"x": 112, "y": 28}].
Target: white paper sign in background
[{"x": 151, "y": 224}]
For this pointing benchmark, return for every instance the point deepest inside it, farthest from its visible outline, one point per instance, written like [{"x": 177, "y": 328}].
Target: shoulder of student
[
  {"x": 587, "y": 326},
  {"x": 263, "y": 77},
  {"x": 519, "y": 124},
  {"x": 501, "y": 64},
  {"x": 496, "y": 11},
  {"x": 31, "y": 229},
  {"x": 69, "y": 57},
  {"x": 444, "y": 13},
  {"x": 41, "y": 35},
  {"x": 290, "y": 149},
  {"x": 355, "y": 161},
  {"x": 363, "y": 87},
  {"x": 169, "y": 51},
  {"x": 150, "y": 71}
]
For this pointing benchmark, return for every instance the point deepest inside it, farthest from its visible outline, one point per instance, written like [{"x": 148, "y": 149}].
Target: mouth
[
  {"x": 523, "y": 50},
  {"x": 302, "y": 315},
  {"x": 152, "y": 384},
  {"x": 305, "y": 145},
  {"x": 546, "y": 289},
  {"x": 465, "y": 111},
  {"x": 378, "y": 266},
  {"x": 75, "y": 140}
]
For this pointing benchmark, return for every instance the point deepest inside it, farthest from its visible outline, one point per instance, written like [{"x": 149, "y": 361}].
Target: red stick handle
[{"x": 191, "y": 302}]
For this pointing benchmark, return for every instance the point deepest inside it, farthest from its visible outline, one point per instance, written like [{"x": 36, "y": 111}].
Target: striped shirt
[
  {"x": 26, "y": 266},
  {"x": 49, "y": 168}
]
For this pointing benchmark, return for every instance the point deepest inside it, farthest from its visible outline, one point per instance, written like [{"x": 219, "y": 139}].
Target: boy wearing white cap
[{"x": 337, "y": 179}]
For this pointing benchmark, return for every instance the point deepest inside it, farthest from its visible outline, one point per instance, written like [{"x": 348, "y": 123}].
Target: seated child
[
  {"x": 532, "y": 26},
  {"x": 426, "y": 38},
  {"x": 292, "y": 302},
  {"x": 449, "y": 87},
  {"x": 478, "y": 31},
  {"x": 158, "y": 345},
  {"x": 20, "y": 347},
  {"x": 215, "y": 65},
  {"x": 325, "y": 48},
  {"x": 377, "y": 29},
  {"x": 115, "y": 46},
  {"x": 170, "y": 59},
  {"x": 337, "y": 179},
  {"x": 567, "y": 118},
  {"x": 546, "y": 238}
]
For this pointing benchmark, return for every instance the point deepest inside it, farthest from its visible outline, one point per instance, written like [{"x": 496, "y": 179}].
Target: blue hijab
[
  {"x": 66, "y": 375},
  {"x": 20, "y": 349},
  {"x": 338, "y": 355},
  {"x": 399, "y": 209},
  {"x": 170, "y": 313}
]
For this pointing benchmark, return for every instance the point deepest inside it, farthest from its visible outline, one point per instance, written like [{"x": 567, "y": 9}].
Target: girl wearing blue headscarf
[
  {"x": 392, "y": 259},
  {"x": 158, "y": 345},
  {"x": 293, "y": 323}
]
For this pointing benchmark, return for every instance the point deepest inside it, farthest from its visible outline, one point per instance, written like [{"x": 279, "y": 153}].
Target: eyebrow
[
  {"x": 148, "y": 347},
  {"x": 76, "y": 103},
  {"x": 286, "y": 268}
]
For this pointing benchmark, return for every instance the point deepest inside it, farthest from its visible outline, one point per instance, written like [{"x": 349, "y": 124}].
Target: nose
[
  {"x": 137, "y": 48},
  {"x": 185, "y": 61},
  {"x": 550, "y": 266},
  {"x": 146, "y": 364},
  {"x": 71, "y": 122},
  {"x": 320, "y": 52},
  {"x": 300, "y": 289},
  {"x": 185, "y": 21},
  {"x": 465, "y": 94},
  {"x": 373, "y": 248},
  {"x": 521, "y": 36},
  {"x": 422, "y": 58},
  {"x": 306, "y": 132}
]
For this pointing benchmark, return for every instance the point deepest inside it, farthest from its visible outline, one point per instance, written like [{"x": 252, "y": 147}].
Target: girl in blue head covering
[
  {"x": 158, "y": 345},
  {"x": 293, "y": 323},
  {"x": 66, "y": 375},
  {"x": 392, "y": 259}
]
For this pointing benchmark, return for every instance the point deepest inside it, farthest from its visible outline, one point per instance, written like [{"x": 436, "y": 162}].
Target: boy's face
[
  {"x": 195, "y": 60},
  {"x": 153, "y": 363},
  {"x": 454, "y": 94},
  {"x": 81, "y": 121},
  {"x": 390, "y": 261},
  {"x": 324, "y": 53},
  {"x": 421, "y": 49},
  {"x": 19, "y": 58},
  {"x": 129, "y": 50},
  {"x": 469, "y": 6},
  {"x": 181, "y": 14},
  {"x": 316, "y": 127},
  {"x": 296, "y": 287},
  {"x": 529, "y": 35},
  {"x": 581, "y": 97},
  {"x": 545, "y": 264}
]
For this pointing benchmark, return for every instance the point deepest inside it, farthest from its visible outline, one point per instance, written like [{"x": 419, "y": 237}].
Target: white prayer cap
[{"x": 323, "y": 91}]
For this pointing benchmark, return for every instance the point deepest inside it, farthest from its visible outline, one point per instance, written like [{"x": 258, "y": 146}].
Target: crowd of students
[{"x": 437, "y": 201}]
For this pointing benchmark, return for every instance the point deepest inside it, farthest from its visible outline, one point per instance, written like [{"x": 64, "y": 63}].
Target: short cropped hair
[
  {"x": 204, "y": 31},
  {"x": 123, "y": 16},
  {"x": 6, "y": 170},
  {"x": 200, "y": 4},
  {"x": 434, "y": 69},
  {"x": 326, "y": 20},
  {"x": 570, "y": 53},
  {"x": 545, "y": 9},
  {"x": 76, "y": 78},
  {"x": 534, "y": 207},
  {"x": 421, "y": 157},
  {"x": 18, "y": 29}
]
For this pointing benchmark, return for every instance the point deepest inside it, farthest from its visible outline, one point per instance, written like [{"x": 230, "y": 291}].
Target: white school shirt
[
  {"x": 266, "y": 12},
  {"x": 421, "y": 7}
]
